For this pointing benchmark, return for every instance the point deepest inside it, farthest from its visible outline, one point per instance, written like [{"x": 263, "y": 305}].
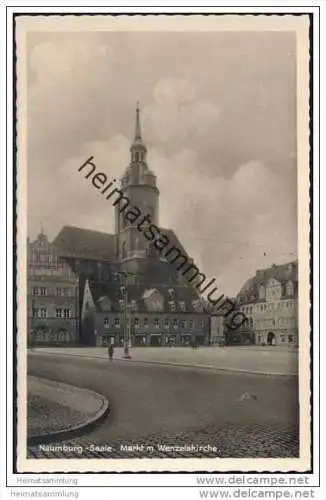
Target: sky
[{"x": 218, "y": 115}]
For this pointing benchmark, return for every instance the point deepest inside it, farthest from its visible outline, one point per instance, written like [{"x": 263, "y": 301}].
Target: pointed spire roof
[
  {"x": 137, "y": 128},
  {"x": 138, "y": 141}
]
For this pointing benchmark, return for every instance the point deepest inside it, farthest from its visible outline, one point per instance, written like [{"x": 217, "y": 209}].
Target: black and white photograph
[{"x": 163, "y": 243}]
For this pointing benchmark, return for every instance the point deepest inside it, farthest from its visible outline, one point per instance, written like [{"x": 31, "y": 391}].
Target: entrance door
[
  {"x": 270, "y": 338},
  {"x": 155, "y": 340}
]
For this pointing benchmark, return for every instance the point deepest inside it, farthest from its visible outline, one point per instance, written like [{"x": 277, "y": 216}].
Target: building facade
[
  {"x": 270, "y": 303},
  {"x": 158, "y": 306},
  {"x": 52, "y": 296},
  {"x": 151, "y": 317}
]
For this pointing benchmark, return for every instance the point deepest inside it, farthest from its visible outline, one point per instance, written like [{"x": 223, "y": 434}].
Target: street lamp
[{"x": 123, "y": 275}]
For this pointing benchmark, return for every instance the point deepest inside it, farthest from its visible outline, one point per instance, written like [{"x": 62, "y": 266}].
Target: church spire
[
  {"x": 138, "y": 148},
  {"x": 137, "y": 128}
]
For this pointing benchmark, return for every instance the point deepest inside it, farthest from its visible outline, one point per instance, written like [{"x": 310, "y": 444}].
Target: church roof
[
  {"x": 282, "y": 273},
  {"x": 174, "y": 240},
  {"x": 85, "y": 243}
]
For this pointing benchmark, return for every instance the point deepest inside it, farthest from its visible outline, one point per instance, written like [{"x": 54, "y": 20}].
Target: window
[
  {"x": 191, "y": 323},
  {"x": 145, "y": 323},
  {"x": 171, "y": 306},
  {"x": 65, "y": 292},
  {"x": 182, "y": 306},
  {"x": 116, "y": 322},
  {"x": 43, "y": 313},
  {"x": 39, "y": 290},
  {"x": 66, "y": 312},
  {"x": 136, "y": 322},
  {"x": 121, "y": 303},
  {"x": 156, "y": 323},
  {"x": 182, "y": 323},
  {"x": 291, "y": 339},
  {"x": 282, "y": 338},
  {"x": 175, "y": 323},
  {"x": 58, "y": 312},
  {"x": 59, "y": 292},
  {"x": 133, "y": 305},
  {"x": 106, "y": 323},
  {"x": 166, "y": 323}
]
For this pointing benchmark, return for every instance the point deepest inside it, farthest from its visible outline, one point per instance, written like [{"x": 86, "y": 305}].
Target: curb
[
  {"x": 185, "y": 365},
  {"x": 76, "y": 430},
  {"x": 212, "y": 367}
]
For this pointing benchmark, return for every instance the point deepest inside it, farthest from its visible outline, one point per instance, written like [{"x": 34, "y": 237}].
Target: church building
[{"x": 127, "y": 286}]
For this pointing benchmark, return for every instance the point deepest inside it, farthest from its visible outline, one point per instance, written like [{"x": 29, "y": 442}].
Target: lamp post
[{"x": 123, "y": 275}]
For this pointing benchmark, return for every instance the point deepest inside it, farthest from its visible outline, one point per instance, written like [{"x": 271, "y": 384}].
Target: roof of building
[
  {"x": 85, "y": 243},
  {"x": 282, "y": 273},
  {"x": 139, "y": 293}
]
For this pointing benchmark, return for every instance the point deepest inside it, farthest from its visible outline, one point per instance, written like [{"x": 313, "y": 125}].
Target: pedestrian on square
[{"x": 111, "y": 351}]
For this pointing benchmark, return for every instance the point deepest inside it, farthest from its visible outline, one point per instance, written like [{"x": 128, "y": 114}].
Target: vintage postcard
[{"x": 163, "y": 243}]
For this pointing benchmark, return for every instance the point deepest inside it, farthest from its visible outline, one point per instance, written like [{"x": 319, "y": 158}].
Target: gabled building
[
  {"x": 162, "y": 304},
  {"x": 154, "y": 316},
  {"x": 52, "y": 296},
  {"x": 270, "y": 302}
]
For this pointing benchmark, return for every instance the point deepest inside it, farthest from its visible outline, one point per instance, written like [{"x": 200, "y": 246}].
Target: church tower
[{"x": 138, "y": 184}]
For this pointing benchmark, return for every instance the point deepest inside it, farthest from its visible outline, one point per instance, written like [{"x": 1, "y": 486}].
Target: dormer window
[
  {"x": 289, "y": 288},
  {"x": 171, "y": 306},
  {"x": 182, "y": 306}
]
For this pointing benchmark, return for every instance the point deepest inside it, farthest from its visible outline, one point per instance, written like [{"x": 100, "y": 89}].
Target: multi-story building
[
  {"x": 153, "y": 316},
  {"x": 163, "y": 306},
  {"x": 52, "y": 295},
  {"x": 269, "y": 300}
]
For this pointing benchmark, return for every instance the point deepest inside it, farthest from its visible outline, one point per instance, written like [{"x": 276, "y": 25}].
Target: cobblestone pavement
[
  {"x": 158, "y": 406},
  {"x": 229, "y": 441}
]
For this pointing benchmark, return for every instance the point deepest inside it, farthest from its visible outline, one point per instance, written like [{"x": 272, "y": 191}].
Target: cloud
[{"x": 178, "y": 116}]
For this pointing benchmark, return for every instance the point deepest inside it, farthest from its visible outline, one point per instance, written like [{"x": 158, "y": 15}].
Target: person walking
[{"x": 111, "y": 351}]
